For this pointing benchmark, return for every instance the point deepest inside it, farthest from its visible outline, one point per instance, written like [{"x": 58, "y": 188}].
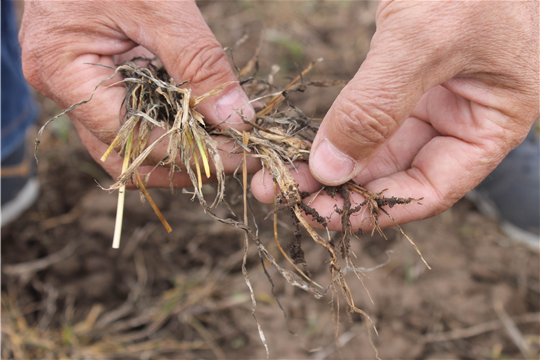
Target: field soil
[{"x": 67, "y": 294}]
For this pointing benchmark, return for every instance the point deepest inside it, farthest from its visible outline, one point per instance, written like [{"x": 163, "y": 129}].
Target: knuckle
[
  {"x": 362, "y": 125},
  {"x": 205, "y": 62}
]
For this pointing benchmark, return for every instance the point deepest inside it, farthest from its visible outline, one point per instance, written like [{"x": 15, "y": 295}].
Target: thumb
[{"x": 377, "y": 101}]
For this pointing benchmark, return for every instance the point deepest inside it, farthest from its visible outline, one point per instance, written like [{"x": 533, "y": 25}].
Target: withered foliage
[{"x": 281, "y": 135}]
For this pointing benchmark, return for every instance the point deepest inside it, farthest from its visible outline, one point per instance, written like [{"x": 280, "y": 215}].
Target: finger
[
  {"x": 399, "y": 152},
  {"x": 372, "y": 107},
  {"x": 262, "y": 185}
]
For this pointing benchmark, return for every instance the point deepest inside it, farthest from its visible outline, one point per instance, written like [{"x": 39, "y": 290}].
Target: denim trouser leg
[{"x": 18, "y": 108}]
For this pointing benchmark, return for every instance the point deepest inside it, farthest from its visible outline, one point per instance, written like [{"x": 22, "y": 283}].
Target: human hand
[
  {"x": 59, "y": 39},
  {"x": 446, "y": 91}
]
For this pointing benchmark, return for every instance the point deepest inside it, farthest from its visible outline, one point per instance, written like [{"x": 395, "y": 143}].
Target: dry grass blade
[
  {"x": 246, "y": 246},
  {"x": 276, "y": 100},
  {"x": 152, "y": 203},
  {"x": 479, "y": 329},
  {"x": 121, "y": 197},
  {"x": 27, "y": 269},
  {"x": 513, "y": 331},
  {"x": 205, "y": 334}
]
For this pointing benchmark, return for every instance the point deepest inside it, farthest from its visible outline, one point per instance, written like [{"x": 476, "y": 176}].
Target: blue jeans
[{"x": 19, "y": 111}]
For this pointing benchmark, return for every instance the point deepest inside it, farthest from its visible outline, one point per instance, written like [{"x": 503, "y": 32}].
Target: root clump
[{"x": 280, "y": 136}]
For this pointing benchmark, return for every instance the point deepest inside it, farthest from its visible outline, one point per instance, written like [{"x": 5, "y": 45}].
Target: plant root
[{"x": 280, "y": 136}]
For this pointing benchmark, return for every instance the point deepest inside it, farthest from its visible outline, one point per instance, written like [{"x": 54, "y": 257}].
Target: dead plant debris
[{"x": 281, "y": 135}]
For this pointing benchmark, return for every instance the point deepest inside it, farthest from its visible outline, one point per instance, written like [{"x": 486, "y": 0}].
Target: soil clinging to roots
[{"x": 281, "y": 135}]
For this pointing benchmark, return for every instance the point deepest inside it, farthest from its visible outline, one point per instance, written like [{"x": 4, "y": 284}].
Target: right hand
[
  {"x": 58, "y": 39},
  {"x": 447, "y": 90}
]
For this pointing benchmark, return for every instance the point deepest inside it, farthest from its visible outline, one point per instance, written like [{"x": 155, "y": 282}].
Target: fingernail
[
  {"x": 331, "y": 166},
  {"x": 233, "y": 106}
]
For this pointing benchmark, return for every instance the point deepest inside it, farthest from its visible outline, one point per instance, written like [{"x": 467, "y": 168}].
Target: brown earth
[{"x": 67, "y": 294}]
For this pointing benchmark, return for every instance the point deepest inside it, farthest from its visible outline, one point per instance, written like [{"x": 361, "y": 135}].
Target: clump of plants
[{"x": 281, "y": 135}]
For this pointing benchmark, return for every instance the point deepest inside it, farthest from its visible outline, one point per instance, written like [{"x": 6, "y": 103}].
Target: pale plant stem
[{"x": 121, "y": 198}]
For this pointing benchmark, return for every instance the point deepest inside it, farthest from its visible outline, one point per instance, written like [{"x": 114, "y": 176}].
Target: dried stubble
[{"x": 280, "y": 136}]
